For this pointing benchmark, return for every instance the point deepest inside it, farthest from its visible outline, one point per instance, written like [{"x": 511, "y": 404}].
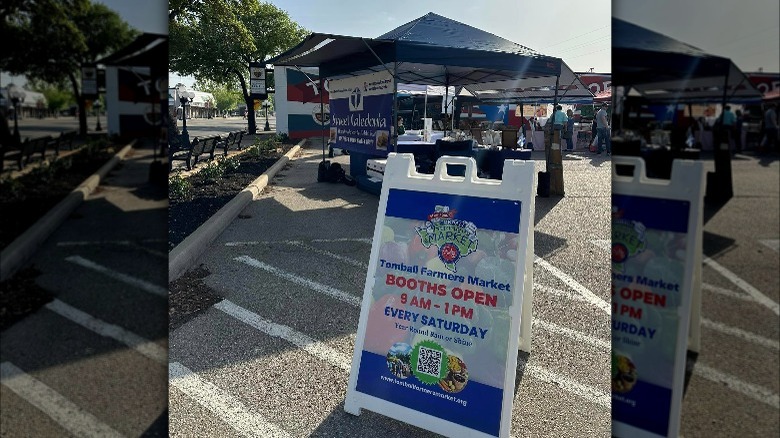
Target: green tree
[
  {"x": 50, "y": 40},
  {"x": 57, "y": 95},
  {"x": 226, "y": 96},
  {"x": 217, "y": 39}
]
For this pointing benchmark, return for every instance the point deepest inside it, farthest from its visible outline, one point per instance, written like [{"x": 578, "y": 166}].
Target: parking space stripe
[
  {"x": 226, "y": 407},
  {"x": 319, "y": 287},
  {"x": 745, "y": 335},
  {"x": 744, "y": 285},
  {"x": 66, "y": 413},
  {"x": 139, "y": 344},
  {"x": 334, "y": 240},
  {"x": 602, "y": 243},
  {"x": 345, "y": 239},
  {"x": 114, "y": 242},
  {"x": 315, "y": 348},
  {"x": 136, "y": 282},
  {"x": 332, "y": 255},
  {"x": 726, "y": 292},
  {"x": 571, "y": 282},
  {"x": 574, "y": 334},
  {"x": 755, "y": 392},
  {"x": 560, "y": 293},
  {"x": 771, "y": 243},
  {"x": 584, "y": 391}
]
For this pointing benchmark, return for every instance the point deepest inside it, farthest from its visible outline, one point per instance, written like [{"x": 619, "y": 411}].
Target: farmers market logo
[
  {"x": 628, "y": 238},
  {"x": 454, "y": 238}
]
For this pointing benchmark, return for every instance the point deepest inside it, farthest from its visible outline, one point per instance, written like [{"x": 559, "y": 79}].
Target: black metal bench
[
  {"x": 225, "y": 143},
  {"x": 178, "y": 151},
  {"x": 206, "y": 145},
  {"x": 30, "y": 147}
]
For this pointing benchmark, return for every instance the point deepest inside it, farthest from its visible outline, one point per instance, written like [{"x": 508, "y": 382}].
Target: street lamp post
[
  {"x": 17, "y": 96},
  {"x": 265, "y": 105},
  {"x": 97, "y": 114},
  {"x": 184, "y": 97}
]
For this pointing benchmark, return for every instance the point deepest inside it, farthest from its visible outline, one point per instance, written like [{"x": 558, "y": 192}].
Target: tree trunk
[
  {"x": 250, "y": 105},
  {"x": 81, "y": 105}
]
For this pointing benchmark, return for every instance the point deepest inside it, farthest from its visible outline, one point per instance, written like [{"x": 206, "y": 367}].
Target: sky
[
  {"x": 746, "y": 31},
  {"x": 578, "y": 32}
]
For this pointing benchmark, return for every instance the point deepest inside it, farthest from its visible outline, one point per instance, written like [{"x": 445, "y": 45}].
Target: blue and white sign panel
[
  {"x": 438, "y": 334},
  {"x": 361, "y": 109},
  {"x": 656, "y": 245}
]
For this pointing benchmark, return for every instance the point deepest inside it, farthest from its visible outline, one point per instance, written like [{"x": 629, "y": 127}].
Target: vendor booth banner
[{"x": 361, "y": 113}]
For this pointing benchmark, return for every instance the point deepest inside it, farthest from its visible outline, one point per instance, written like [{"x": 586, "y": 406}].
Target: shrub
[
  {"x": 230, "y": 164},
  {"x": 179, "y": 188},
  {"x": 211, "y": 172}
]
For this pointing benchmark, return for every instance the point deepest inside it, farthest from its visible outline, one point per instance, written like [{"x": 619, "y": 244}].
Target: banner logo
[
  {"x": 454, "y": 238},
  {"x": 356, "y": 100},
  {"x": 628, "y": 239}
]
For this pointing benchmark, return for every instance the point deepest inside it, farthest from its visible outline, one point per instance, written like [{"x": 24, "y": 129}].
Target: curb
[
  {"x": 15, "y": 255},
  {"x": 184, "y": 255}
]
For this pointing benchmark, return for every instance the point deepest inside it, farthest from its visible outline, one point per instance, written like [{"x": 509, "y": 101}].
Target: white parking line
[
  {"x": 582, "y": 290},
  {"x": 139, "y": 344},
  {"x": 226, "y": 407},
  {"x": 339, "y": 360},
  {"x": 67, "y": 414},
  {"x": 772, "y": 243},
  {"x": 335, "y": 240},
  {"x": 584, "y": 391},
  {"x": 560, "y": 293},
  {"x": 137, "y": 282},
  {"x": 574, "y": 334},
  {"x": 726, "y": 292},
  {"x": 127, "y": 243},
  {"x": 315, "y": 348},
  {"x": 753, "y": 391},
  {"x": 602, "y": 243},
  {"x": 319, "y": 287},
  {"x": 345, "y": 239},
  {"x": 744, "y": 285},
  {"x": 733, "y": 331},
  {"x": 332, "y": 255}
]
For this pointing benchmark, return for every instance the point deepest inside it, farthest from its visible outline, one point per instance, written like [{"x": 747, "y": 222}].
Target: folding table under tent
[{"x": 656, "y": 69}]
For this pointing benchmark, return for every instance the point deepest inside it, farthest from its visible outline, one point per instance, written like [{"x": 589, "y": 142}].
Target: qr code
[{"x": 429, "y": 361}]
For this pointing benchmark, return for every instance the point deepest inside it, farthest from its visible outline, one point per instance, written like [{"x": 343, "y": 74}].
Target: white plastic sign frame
[
  {"x": 391, "y": 388},
  {"x": 682, "y": 195}
]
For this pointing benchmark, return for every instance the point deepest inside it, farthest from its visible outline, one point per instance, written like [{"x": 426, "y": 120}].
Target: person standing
[
  {"x": 593, "y": 133},
  {"x": 602, "y": 129},
  {"x": 738, "y": 132},
  {"x": 568, "y": 134},
  {"x": 727, "y": 121},
  {"x": 770, "y": 127}
]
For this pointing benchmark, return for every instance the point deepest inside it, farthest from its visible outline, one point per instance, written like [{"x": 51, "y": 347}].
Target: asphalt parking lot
[
  {"x": 272, "y": 356},
  {"x": 92, "y": 361},
  {"x": 735, "y": 380}
]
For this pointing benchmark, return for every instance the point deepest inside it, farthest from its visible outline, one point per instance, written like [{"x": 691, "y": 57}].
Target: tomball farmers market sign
[{"x": 438, "y": 333}]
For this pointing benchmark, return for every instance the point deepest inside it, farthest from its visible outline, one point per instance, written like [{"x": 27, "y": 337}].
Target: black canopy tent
[
  {"x": 663, "y": 70},
  {"x": 653, "y": 68},
  {"x": 435, "y": 50}
]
